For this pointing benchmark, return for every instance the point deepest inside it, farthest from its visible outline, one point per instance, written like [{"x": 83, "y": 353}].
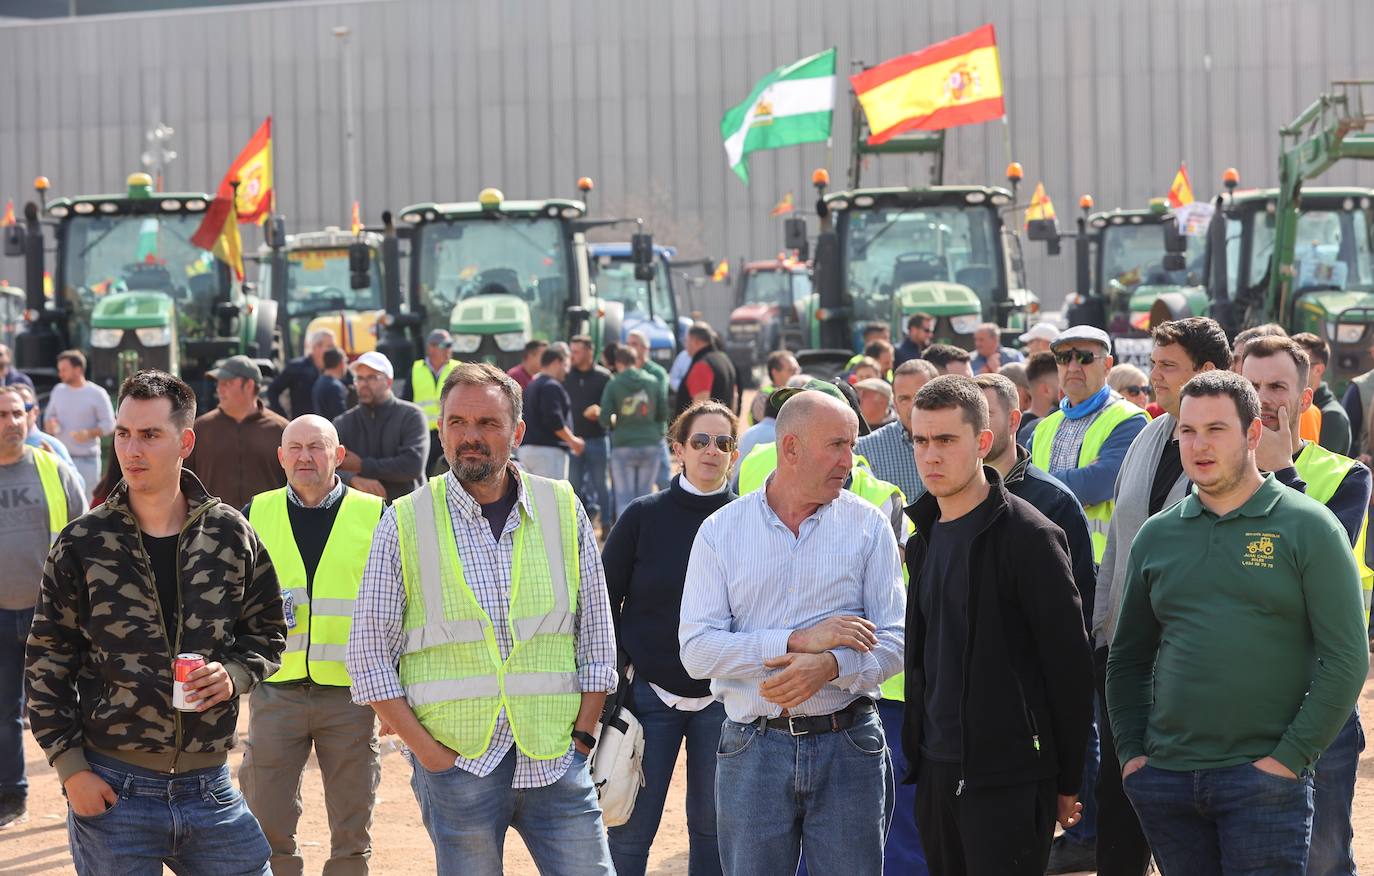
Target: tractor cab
[
  {"x": 649, "y": 305},
  {"x": 320, "y": 293},
  {"x": 772, "y": 298}
]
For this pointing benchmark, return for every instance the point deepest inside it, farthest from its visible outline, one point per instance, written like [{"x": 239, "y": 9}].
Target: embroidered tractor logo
[{"x": 1262, "y": 548}]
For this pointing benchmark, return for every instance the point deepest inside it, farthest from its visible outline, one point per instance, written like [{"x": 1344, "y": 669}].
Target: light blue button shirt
[{"x": 750, "y": 583}]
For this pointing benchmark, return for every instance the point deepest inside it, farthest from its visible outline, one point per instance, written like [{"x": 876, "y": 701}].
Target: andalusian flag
[
  {"x": 791, "y": 105},
  {"x": 357, "y": 220},
  {"x": 956, "y": 82},
  {"x": 1181, "y": 191},
  {"x": 1041, "y": 207}
]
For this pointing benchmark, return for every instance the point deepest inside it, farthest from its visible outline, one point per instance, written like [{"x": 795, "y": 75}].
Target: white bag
[{"x": 618, "y": 761}]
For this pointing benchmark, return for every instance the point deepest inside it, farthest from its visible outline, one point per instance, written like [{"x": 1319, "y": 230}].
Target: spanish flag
[
  {"x": 8, "y": 218},
  {"x": 357, "y": 220},
  {"x": 1181, "y": 191},
  {"x": 956, "y": 82},
  {"x": 253, "y": 170},
  {"x": 722, "y": 272},
  {"x": 1041, "y": 207},
  {"x": 219, "y": 233},
  {"x": 783, "y": 207}
]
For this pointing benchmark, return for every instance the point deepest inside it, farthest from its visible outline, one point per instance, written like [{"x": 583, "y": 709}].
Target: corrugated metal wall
[{"x": 452, "y": 95}]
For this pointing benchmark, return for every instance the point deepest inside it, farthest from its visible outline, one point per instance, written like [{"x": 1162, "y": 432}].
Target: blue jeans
[
  {"x": 14, "y": 633},
  {"x": 664, "y": 730},
  {"x": 1236, "y": 820},
  {"x": 633, "y": 470},
  {"x": 1084, "y": 833},
  {"x": 467, "y": 817},
  {"x": 828, "y": 794},
  {"x": 665, "y": 471},
  {"x": 903, "y": 853},
  {"x": 548, "y": 462},
  {"x": 588, "y": 476},
  {"x": 1332, "y": 852},
  {"x": 196, "y": 823}
]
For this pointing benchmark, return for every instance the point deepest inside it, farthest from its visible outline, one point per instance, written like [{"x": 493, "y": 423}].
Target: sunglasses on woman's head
[
  {"x": 1084, "y": 357},
  {"x": 699, "y": 440}
]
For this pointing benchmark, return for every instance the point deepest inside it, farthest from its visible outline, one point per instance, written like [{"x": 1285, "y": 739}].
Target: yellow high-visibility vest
[
  {"x": 425, "y": 387},
  {"x": 1323, "y": 471},
  {"x": 53, "y": 495}
]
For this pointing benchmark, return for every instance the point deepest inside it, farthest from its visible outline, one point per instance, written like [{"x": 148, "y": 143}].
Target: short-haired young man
[
  {"x": 161, "y": 568},
  {"x": 920, "y": 330},
  {"x": 548, "y": 417},
  {"x": 1151, "y": 479},
  {"x": 1042, "y": 381},
  {"x": 1239, "y": 653},
  {"x": 949, "y": 359},
  {"x": 79, "y": 414},
  {"x": 1335, "y": 429},
  {"x": 529, "y": 363},
  {"x": 998, "y": 674}
]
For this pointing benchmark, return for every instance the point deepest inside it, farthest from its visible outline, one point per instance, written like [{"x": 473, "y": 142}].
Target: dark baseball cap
[
  {"x": 439, "y": 338},
  {"x": 236, "y": 366}
]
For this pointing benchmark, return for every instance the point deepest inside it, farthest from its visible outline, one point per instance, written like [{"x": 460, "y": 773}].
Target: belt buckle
[{"x": 792, "y": 728}]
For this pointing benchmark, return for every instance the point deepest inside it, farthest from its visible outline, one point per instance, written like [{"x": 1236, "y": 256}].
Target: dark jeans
[
  {"x": 1121, "y": 846},
  {"x": 1333, "y": 852},
  {"x": 14, "y": 633},
  {"x": 1237, "y": 821},
  {"x": 1002, "y": 831},
  {"x": 196, "y": 823},
  {"x": 664, "y": 730},
  {"x": 587, "y": 473}
]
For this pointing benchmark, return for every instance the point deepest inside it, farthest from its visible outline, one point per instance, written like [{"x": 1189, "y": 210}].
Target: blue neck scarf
[{"x": 1086, "y": 408}]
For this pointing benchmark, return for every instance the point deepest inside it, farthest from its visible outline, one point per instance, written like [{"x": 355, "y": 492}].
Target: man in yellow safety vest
[
  {"x": 317, "y": 532},
  {"x": 427, "y": 377},
  {"x": 1278, "y": 369},
  {"x": 483, "y": 638},
  {"x": 40, "y": 495},
  {"x": 1084, "y": 442}
]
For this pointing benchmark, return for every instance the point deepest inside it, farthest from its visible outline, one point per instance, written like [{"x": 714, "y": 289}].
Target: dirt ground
[{"x": 401, "y": 846}]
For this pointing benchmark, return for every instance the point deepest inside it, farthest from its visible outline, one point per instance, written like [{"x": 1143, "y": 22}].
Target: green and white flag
[{"x": 791, "y": 105}]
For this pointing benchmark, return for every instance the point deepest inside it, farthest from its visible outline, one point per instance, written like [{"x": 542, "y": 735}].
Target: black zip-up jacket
[{"x": 1028, "y": 683}]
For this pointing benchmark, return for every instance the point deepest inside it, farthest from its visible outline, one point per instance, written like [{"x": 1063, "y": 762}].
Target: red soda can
[{"x": 182, "y": 668}]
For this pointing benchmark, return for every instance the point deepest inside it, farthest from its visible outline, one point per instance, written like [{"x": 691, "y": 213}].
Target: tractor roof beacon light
[
  {"x": 820, "y": 178},
  {"x": 490, "y": 198},
  {"x": 585, "y": 184},
  {"x": 140, "y": 186},
  {"x": 1230, "y": 178},
  {"x": 1085, "y": 203},
  {"x": 40, "y": 185},
  {"x": 1158, "y": 205}
]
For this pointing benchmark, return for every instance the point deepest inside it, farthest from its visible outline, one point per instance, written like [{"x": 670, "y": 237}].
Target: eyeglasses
[
  {"x": 699, "y": 440},
  {"x": 369, "y": 378},
  {"x": 1137, "y": 390},
  {"x": 28, "y": 406},
  {"x": 1084, "y": 357}
]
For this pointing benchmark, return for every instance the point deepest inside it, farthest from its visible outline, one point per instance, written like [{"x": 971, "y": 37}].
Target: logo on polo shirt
[{"x": 1259, "y": 553}]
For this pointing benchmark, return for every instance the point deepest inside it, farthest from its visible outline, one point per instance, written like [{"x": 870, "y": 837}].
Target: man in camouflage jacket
[{"x": 160, "y": 568}]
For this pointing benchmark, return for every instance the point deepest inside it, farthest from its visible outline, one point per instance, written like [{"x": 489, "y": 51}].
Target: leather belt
[{"x": 809, "y": 725}]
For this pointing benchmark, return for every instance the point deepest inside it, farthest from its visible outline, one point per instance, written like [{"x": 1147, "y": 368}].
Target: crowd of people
[{"x": 905, "y": 619}]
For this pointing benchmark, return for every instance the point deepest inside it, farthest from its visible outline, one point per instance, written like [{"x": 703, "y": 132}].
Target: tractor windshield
[
  {"x": 1133, "y": 255},
  {"x": 615, "y": 281},
  {"x": 465, "y": 258},
  {"x": 103, "y": 255},
  {"x": 776, "y": 287},
  {"x": 318, "y": 280},
  {"x": 1332, "y": 252},
  {"x": 885, "y": 249}
]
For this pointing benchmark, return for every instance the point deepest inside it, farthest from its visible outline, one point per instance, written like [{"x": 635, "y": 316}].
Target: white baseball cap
[
  {"x": 1041, "y": 331},
  {"x": 376, "y": 361}
]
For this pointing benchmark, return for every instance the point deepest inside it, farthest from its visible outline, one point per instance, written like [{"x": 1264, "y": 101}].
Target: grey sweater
[
  {"x": 393, "y": 440},
  {"x": 1132, "y": 497},
  {"x": 24, "y": 535}
]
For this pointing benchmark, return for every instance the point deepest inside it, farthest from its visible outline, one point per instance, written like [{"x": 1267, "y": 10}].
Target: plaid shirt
[
  {"x": 890, "y": 457},
  {"x": 374, "y": 644},
  {"x": 328, "y": 501}
]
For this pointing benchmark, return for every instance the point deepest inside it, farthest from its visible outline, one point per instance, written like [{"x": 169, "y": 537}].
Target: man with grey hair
[
  {"x": 888, "y": 448},
  {"x": 989, "y": 354},
  {"x": 317, "y": 531},
  {"x": 298, "y": 378},
  {"x": 494, "y": 692},
  {"x": 792, "y": 608}
]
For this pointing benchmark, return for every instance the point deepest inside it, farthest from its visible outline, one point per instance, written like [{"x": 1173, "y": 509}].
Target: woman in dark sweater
[{"x": 646, "y": 563}]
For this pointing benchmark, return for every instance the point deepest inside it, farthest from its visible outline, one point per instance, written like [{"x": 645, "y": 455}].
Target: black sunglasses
[
  {"x": 1137, "y": 390},
  {"x": 699, "y": 440},
  {"x": 1084, "y": 357}
]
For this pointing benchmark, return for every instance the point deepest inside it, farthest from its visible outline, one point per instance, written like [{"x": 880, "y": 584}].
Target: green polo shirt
[{"x": 1239, "y": 637}]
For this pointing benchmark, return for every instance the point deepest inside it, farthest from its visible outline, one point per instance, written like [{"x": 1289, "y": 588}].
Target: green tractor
[
  {"x": 1121, "y": 275},
  {"x": 952, "y": 251},
  {"x": 131, "y": 291}
]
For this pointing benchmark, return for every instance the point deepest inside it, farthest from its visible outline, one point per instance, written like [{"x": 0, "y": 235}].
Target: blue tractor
[{"x": 650, "y": 305}]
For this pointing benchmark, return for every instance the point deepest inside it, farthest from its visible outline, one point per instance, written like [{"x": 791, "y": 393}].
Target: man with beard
[
  {"x": 493, "y": 688},
  {"x": 998, "y": 674},
  {"x": 317, "y": 532},
  {"x": 1239, "y": 652},
  {"x": 387, "y": 439}
]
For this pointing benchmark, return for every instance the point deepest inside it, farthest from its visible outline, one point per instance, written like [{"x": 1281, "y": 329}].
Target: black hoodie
[{"x": 1027, "y": 697}]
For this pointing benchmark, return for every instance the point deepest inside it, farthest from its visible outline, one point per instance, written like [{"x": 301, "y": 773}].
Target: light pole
[{"x": 342, "y": 32}]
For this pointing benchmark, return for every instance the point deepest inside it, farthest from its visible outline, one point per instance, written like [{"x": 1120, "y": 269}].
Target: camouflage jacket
[{"x": 99, "y": 664}]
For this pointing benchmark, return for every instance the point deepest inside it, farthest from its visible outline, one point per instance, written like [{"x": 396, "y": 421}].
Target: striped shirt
[
  {"x": 751, "y": 582},
  {"x": 891, "y": 457},
  {"x": 374, "y": 642}
]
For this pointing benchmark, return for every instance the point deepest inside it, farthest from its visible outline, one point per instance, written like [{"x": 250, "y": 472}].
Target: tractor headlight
[
  {"x": 509, "y": 342},
  {"x": 1345, "y": 332},
  {"x": 157, "y": 336},
  {"x": 661, "y": 354},
  {"x": 466, "y": 343},
  {"x": 964, "y": 325},
  {"x": 106, "y": 338}
]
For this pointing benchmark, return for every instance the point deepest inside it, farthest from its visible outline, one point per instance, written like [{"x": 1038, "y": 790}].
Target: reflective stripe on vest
[
  {"x": 315, "y": 644},
  {"x": 1042, "y": 447},
  {"x": 1323, "y": 471},
  {"x": 451, "y": 666},
  {"x": 425, "y": 387},
  {"x": 53, "y": 495}
]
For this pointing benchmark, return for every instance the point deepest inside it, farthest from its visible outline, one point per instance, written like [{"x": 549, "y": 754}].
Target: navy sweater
[{"x": 646, "y": 563}]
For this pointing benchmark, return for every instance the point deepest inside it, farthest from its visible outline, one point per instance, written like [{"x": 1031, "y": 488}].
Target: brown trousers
[{"x": 284, "y": 722}]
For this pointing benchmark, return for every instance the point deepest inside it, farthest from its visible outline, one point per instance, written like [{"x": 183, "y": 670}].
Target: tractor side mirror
[
  {"x": 1043, "y": 231},
  {"x": 1175, "y": 246},
  {"x": 14, "y": 240},
  {"x": 359, "y": 264},
  {"x": 794, "y": 237},
  {"x": 642, "y": 254}
]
